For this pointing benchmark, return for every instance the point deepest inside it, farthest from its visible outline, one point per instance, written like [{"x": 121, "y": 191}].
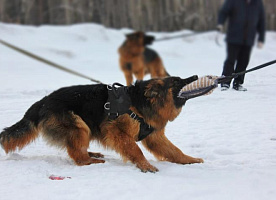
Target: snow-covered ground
[{"x": 234, "y": 132}]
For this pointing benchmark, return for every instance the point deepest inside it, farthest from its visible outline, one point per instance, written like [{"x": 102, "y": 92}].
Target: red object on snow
[{"x": 54, "y": 177}]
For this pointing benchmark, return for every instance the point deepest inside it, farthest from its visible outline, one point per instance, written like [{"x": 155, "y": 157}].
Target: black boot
[
  {"x": 239, "y": 87},
  {"x": 224, "y": 86}
]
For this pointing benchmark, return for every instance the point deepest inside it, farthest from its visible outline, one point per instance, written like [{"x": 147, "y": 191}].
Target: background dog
[
  {"x": 73, "y": 116},
  {"x": 136, "y": 58}
]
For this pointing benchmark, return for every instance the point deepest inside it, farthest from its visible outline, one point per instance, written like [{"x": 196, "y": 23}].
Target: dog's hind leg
[
  {"x": 159, "y": 145},
  {"x": 157, "y": 69},
  {"x": 78, "y": 143},
  {"x": 72, "y": 133}
]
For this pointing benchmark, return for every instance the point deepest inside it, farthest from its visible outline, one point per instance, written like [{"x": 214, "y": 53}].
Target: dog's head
[
  {"x": 139, "y": 38},
  {"x": 160, "y": 96}
]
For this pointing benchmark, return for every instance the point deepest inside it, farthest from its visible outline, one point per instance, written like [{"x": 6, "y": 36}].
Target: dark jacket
[{"x": 245, "y": 20}]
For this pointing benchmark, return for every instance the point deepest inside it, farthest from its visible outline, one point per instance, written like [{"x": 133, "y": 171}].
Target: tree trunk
[{"x": 144, "y": 15}]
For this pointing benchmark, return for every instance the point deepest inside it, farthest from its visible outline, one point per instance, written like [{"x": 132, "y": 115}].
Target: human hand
[
  {"x": 220, "y": 28},
  {"x": 260, "y": 45}
]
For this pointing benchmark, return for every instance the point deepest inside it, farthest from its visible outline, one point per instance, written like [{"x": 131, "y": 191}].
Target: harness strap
[
  {"x": 118, "y": 103},
  {"x": 145, "y": 129}
]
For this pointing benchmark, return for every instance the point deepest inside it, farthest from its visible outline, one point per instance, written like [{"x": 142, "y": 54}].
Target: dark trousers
[{"x": 237, "y": 60}]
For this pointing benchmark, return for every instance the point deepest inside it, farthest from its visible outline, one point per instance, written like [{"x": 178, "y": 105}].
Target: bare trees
[{"x": 153, "y": 15}]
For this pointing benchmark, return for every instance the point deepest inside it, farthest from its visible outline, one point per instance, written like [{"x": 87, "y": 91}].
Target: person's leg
[
  {"x": 229, "y": 64},
  {"x": 242, "y": 63}
]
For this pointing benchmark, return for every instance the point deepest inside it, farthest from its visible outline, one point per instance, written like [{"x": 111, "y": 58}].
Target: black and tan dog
[
  {"x": 73, "y": 116},
  {"x": 136, "y": 58}
]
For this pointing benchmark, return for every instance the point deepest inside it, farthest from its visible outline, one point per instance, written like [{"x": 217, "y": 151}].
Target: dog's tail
[
  {"x": 18, "y": 135},
  {"x": 23, "y": 132}
]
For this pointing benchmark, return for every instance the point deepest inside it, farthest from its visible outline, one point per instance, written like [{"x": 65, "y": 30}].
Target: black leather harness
[{"x": 118, "y": 103}]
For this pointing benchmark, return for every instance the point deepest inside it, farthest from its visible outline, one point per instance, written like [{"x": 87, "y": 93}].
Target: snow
[{"x": 234, "y": 132}]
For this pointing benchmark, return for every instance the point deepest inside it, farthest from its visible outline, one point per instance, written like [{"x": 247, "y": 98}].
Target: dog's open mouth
[{"x": 202, "y": 86}]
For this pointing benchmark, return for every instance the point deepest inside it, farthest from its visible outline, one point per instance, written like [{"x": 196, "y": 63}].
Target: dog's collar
[{"x": 118, "y": 103}]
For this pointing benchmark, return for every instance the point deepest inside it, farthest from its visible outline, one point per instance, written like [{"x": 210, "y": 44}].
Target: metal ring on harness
[
  {"x": 105, "y": 106},
  {"x": 132, "y": 115}
]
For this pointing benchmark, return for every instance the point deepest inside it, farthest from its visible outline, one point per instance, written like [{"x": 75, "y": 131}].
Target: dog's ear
[{"x": 148, "y": 39}]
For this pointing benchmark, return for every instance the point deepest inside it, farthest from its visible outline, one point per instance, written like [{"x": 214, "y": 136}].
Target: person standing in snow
[{"x": 245, "y": 19}]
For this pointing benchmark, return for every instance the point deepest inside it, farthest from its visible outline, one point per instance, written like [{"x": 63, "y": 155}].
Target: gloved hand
[
  {"x": 220, "y": 28},
  {"x": 260, "y": 45},
  {"x": 219, "y": 34}
]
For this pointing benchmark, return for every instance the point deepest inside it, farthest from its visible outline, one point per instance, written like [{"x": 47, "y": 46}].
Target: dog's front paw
[
  {"x": 191, "y": 160},
  {"x": 89, "y": 161},
  {"x": 146, "y": 167},
  {"x": 199, "y": 160},
  {"x": 196, "y": 160}
]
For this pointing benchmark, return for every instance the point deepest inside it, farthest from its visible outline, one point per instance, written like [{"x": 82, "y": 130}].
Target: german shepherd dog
[
  {"x": 73, "y": 116},
  {"x": 136, "y": 58}
]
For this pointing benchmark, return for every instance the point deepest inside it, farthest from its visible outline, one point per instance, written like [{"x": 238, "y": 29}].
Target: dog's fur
[
  {"x": 73, "y": 116},
  {"x": 136, "y": 58}
]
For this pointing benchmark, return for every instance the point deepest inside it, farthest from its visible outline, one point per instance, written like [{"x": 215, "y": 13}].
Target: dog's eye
[{"x": 176, "y": 80}]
